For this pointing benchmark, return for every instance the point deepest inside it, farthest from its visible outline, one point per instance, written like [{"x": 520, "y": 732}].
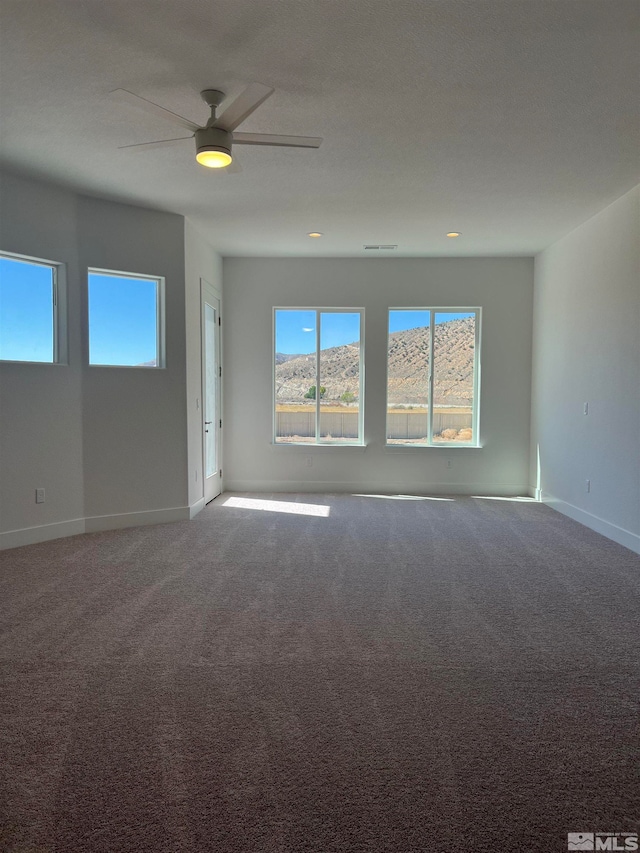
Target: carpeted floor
[{"x": 395, "y": 676}]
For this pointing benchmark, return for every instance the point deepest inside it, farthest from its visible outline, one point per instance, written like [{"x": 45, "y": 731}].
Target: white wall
[
  {"x": 122, "y": 446},
  {"x": 201, "y": 262},
  {"x": 587, "y": 350},
  {"x": 41, "y": 404},
  {"x": 134, "y": 419},
  {"x": 502, "y": 287},
  {"x": 108, "y": 445}
]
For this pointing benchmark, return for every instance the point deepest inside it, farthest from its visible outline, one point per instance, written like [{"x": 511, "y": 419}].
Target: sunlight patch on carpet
[
  {"x": 405, "y": 497},
  {"x": 496, "y": 498},
  {"x": 319, "y": 510}
]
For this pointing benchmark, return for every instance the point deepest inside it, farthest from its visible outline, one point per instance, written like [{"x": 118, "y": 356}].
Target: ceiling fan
[{"x": 215, "y": 140}]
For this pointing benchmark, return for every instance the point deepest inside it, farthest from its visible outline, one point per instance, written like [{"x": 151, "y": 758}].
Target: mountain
[
  {"x": 408, "y": 367},
  {"x": 281, "y": 357},
  {"x": 454, "y": 348}
]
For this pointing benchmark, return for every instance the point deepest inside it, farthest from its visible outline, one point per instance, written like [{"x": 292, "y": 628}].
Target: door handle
[{"x": 206, "y": 423}]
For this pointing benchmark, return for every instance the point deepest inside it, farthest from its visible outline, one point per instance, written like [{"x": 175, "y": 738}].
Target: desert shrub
[
  {"x": 311, "y": 393},
  {"x": 449, "y": 434},
  {"x": 465, "y": 434}
]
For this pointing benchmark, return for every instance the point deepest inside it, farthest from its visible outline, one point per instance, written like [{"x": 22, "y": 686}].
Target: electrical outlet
[
  {"x": 309, "y": 461},
  {"x": 586, "y": 409},
  {"x": 588, "y": 485},
  {"x": 39, "y": 496},
  {"x": 449, "y": 463}
]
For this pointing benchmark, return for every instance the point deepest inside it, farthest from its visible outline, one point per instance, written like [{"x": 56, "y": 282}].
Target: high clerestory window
[
  {"x": 318, "y": 376},
  {"x": 433, "y": 373},
  {"x": 126, "y": 319},
  {"x": 32, "y": 310}
]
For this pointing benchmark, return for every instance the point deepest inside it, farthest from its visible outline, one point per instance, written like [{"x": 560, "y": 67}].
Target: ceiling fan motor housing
[{"x": 213, "y": 139}]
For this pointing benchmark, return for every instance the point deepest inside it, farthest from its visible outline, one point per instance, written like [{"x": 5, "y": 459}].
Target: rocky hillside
[
  {"x": 408, "y": 358},
  {"x": 281, "y": 357}
]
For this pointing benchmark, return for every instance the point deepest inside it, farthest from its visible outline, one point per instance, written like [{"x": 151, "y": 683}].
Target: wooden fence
[{"x": 400, "y": 425}]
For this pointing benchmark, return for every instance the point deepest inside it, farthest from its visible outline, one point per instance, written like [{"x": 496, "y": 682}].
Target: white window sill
[
  {"x": 34, "y": 363},
  {"x": 441, "y": 445},
  {"x": 307, "y": 446}
]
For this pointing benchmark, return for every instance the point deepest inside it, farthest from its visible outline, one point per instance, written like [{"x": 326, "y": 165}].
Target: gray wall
[
  {"x": 134, "y": 419},
  {"x": 502, "y": 287},
  {"x": 41, "y": 405},
  {"x": 123, "y": 446},
  {"x": 587, "y": 350},
  {"x": 109, "y": 445}
]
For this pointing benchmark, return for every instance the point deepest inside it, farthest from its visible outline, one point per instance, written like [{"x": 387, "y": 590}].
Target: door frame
[{"x": 211, "y": 295}]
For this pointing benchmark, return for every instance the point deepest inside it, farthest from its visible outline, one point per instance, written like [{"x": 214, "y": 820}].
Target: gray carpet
[{"x": 397, "y": 676}]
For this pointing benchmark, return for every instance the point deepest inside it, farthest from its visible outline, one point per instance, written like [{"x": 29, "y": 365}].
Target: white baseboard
[
  {"x": 197, "y": 507},
  {"x": 605, "y": 528},
  {"x": 341, "y": 487},
  {"x": 96, "y": 523},
  {"x": 41, "y": 533}
]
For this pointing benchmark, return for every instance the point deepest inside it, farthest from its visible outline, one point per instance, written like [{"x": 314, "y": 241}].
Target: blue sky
[
  {"x": 296, "y": 330},
  {"x": 400, "y": 320},
  {"x": 26, "y": 311},
  {"x": 122, "y": 320},
  {"x": 122, "y": 315}
]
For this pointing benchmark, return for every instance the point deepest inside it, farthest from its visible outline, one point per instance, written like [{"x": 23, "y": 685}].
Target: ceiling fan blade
[
  {"x": 156, "y": 109},
  {"x": 275, "y": 139},
  {"x": 248, "y": 101},
  {"x": 156, "y": 143}
]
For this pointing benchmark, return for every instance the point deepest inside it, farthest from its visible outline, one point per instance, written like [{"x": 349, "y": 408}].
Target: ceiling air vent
[{"x": 377, "y": 247}]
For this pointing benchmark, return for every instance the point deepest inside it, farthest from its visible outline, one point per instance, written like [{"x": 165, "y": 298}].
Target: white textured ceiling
[{"x": 511, "y": 121}]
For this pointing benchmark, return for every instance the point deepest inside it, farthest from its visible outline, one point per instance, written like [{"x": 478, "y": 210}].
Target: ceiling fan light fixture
[
  {"x": 213, "y": 147},
  {"x": 213, "y": 158},
  {"x": 215, "y": 140}
]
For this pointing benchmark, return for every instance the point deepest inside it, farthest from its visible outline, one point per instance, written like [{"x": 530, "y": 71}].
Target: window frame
[
  {"x": 59, "y": 307},
  {"x": 475, "y": 411},
  {"x": 318, "y": 441},
  {"x": 160, "y": 317}
]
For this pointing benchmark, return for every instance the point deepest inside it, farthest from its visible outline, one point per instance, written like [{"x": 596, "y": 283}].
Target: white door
[{"x": 211, "y": 381}]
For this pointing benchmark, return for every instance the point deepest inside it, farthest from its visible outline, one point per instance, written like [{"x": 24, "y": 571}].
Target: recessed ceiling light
[
  {"x": 453, "y": 234},
  {"x": 314, "y": 234}
]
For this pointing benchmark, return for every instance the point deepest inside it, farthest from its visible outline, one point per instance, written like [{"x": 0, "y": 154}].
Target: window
[
  {"x": 433, "y": 378},
  {"x": 318, "y": 376},
  {"x": 126, "y": 320},
  {"x": 29, "y": 310}
]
